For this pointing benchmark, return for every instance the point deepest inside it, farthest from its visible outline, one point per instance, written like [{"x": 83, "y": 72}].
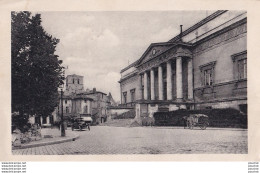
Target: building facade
[
  {"x": 203, "y": 67},
  {"x": 80, "y": 102}
]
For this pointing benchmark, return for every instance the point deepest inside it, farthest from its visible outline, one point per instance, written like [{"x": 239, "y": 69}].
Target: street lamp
[{"x": 61, "y": 117}]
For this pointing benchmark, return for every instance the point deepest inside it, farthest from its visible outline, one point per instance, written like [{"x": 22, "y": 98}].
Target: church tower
[{"x": 74, "y": 84}]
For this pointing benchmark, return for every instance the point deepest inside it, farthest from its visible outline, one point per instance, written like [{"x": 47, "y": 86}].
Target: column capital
[
  {"x": 189, "y": 58},
  {"x": 169, "y": 61}
]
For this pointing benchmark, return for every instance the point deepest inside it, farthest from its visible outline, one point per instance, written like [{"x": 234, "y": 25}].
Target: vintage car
[
  {"x": 88, "y": 120},
  {"x": 193, "y": 120},
  {"x": 79, "y": 123}
]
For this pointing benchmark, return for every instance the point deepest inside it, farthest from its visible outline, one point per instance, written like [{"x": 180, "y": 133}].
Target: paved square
[{"x": 148, "y": 140}]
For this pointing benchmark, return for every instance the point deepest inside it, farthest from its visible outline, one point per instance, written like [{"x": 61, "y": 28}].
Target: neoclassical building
[{"x": 204, "y": 66}]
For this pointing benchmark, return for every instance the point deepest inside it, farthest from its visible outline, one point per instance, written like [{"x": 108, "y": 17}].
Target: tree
[{"x": 36, "y": 69}]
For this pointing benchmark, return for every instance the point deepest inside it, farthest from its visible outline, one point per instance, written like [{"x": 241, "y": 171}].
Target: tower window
[
  {"x": 78, "y": 81},
  {"x": 73, "y": 81}
]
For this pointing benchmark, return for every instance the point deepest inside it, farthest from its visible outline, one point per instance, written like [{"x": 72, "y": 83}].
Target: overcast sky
[{"x": 97, "y": 45}]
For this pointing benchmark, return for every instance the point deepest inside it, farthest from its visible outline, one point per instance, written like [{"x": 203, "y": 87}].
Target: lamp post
[{"x": 62, "y": 121}]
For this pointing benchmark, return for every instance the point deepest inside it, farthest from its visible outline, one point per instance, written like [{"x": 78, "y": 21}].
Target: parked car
[
  {"x": 87, "y": 119},
  {"x": 200, "y": 120},
  {"x": 79, "y": 123}
]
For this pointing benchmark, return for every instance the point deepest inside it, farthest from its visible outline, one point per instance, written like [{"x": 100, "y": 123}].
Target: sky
[{"x": 98, "y": 44}]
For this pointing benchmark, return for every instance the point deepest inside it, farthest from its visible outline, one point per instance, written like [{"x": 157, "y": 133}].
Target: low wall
[{"x": 115, "y": 111}]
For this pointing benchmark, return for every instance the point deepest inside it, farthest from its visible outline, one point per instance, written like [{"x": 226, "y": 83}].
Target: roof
[
  {"x": 144, "y": 54},
  {"x": 92, "y": 92},
  {"x": 199, "y": 24},
  {"x": 74, "y": 75},
  {"x": 76, "y": 96},
  {"x": 176, "y": 39}
]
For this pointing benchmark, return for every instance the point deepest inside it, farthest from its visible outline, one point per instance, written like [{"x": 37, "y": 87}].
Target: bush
[
  {"x": 217, "y": 117},
  {"x": 20, "y": 122}
]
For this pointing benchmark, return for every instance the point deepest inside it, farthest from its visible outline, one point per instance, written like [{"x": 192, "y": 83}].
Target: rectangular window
[
  {"x": 86, "y": 109},
  {"x": 208, "y": 77},
  {"x": 207, "y": 73},
  {"x": 125, "y": 97},
  {"x": 242, "y": 68},
  {"x": 240, "y": 65},
  {"x": 132, "y": 95}
]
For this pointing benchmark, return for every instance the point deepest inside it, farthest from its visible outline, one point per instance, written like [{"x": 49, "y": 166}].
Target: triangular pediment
[{"x": 154, "y": 50}]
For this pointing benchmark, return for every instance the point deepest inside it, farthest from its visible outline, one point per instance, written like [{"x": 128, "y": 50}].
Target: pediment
[{"x": 154, "y": 50}]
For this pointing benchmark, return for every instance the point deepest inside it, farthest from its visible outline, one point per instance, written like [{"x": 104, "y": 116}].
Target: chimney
[
  {"x": 181, "y": 33},
  {"x": 94, "y": 90}
]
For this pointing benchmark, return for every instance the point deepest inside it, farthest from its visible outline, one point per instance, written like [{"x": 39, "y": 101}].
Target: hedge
[{"x": 217, "y": 117}]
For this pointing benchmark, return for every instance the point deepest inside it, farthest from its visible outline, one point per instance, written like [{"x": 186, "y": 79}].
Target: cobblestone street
[{"x": 148, "y": 140}]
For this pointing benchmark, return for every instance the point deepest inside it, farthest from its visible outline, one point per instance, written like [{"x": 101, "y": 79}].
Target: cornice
[
  {"x": 224, "y": 30},
  {"x": 128, "y": 77},
  {"x": 199, "y": 24}
]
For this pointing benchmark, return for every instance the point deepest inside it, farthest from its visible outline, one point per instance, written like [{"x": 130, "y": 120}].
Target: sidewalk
[{"x": 56, "y": 138}]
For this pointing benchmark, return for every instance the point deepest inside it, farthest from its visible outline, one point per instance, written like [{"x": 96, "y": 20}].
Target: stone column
[
  {"x": 140, "y": 87},
  {"x": 145, "y": 86},
  {"x": 190, "y": 79},
  {"x": 160, "y": 82},
  {"x": 152, "y": 85},
  {"x": 179, "y": 90},
  {"x": 169, "y": 80}
]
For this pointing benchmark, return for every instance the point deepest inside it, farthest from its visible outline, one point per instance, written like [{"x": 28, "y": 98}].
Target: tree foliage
[{"x": 36, "y": 69}]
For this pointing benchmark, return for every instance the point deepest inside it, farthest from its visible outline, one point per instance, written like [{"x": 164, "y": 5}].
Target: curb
[{"x": 47, "y": 143}]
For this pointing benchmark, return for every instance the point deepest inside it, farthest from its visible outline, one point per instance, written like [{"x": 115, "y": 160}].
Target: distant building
[
  {"x": 74, "y": 84},
  {"x": 203, "y": 67},
  {"x": 80, "y": 102}
]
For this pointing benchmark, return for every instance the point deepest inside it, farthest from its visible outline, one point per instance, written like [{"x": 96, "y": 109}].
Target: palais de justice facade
[{"x": 204, "y": 66}]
